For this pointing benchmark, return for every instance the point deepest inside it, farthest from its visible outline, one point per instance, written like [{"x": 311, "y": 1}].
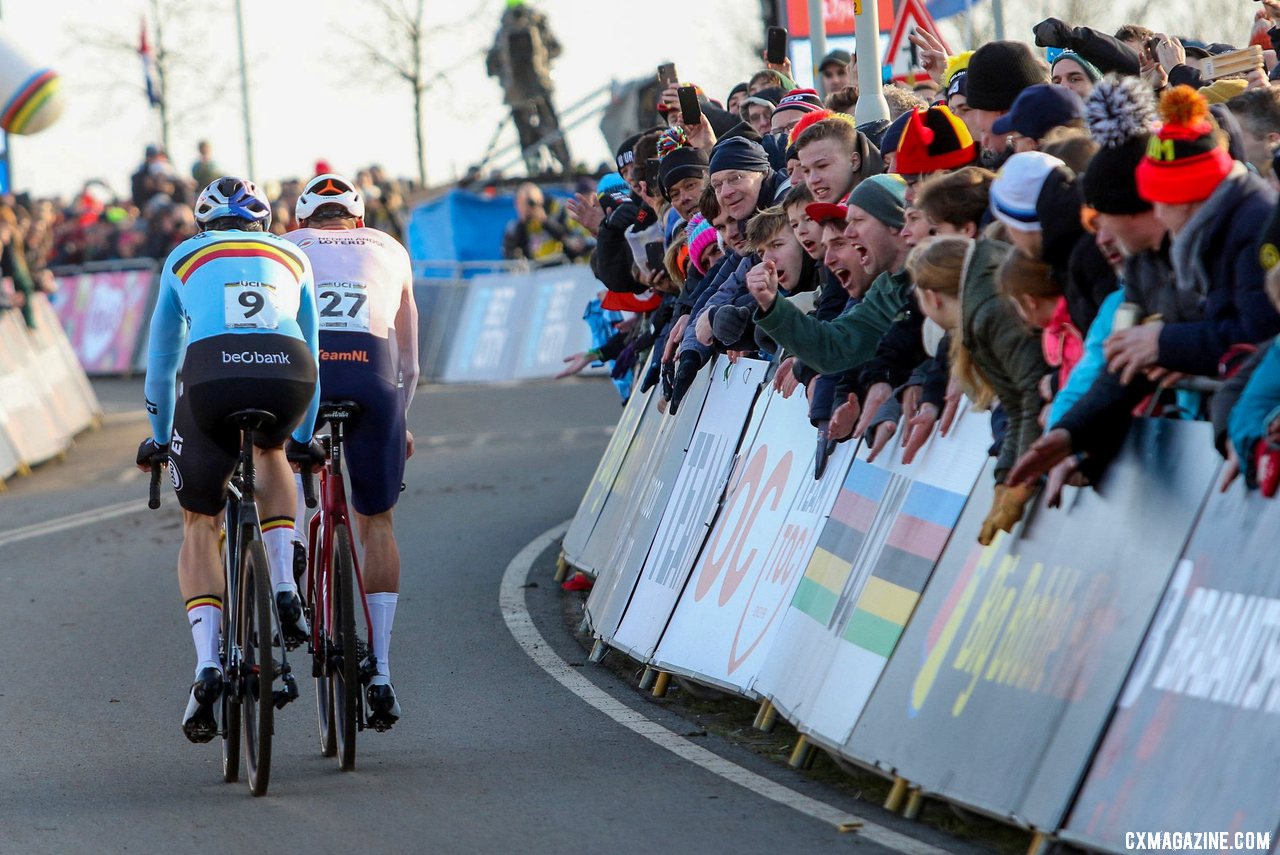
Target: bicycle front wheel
[
  {"x": 258, "y": 664},
  {"x": 344, "y": 683}
]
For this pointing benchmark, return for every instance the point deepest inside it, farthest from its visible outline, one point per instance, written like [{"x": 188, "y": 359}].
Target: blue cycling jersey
[{"x": 221, "y": 282}]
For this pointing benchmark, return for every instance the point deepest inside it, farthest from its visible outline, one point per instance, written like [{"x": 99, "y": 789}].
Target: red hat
[
  {"x": 621, "y": 301},
  {"x": 1185, "y": 162},
  {"x": 822, "y": 212},
  {"x": 934, "y": 139}
]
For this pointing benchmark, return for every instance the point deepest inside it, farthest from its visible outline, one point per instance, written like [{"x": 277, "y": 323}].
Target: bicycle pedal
[{"x": 288, "y": 694}]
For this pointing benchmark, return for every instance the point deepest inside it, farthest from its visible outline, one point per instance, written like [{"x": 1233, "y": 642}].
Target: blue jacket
[{"x": 1258, "y": 406}]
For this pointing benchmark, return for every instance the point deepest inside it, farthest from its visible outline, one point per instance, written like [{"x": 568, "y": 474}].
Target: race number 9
[
  {"x": 344, "y": 307},
  {"x": 250, "y": 305}
]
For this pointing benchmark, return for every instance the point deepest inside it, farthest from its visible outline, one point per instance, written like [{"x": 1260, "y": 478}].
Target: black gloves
[
  {"x": 1052, "y": 32},
  {"x": 149, "y": 448},
  {"x": 310, "y": 455},
  {"x": 687, "y": 366},
  {"x": 729, "y": 323}
]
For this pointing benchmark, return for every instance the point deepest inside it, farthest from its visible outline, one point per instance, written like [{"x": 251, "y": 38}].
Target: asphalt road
[{"x": 492, "y": 755}]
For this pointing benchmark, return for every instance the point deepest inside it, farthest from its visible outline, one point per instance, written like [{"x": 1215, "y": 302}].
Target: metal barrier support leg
[
  {"x": 660, "y": 684},
  {"x": 562, "y": 568},
  {"x": 802, "y": 754},
  {"x": 915, "y": 801},
  {"x": 598, "y": 650},
  {"x": 764, "y": 706},
  {"x": 769, "y": 719},
  {"x": 897, "y": 795},
  {"x": 1040, "y": 844},
  {"x": 647, "y": 679}
]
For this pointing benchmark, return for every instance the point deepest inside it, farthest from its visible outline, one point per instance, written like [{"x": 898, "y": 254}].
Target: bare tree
[
  {"x": 187, "y": 78},
  {"x": 401, "y": 54}
]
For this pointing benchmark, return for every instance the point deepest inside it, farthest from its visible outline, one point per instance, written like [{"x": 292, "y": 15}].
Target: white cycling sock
[
  {"x": 382, "y": 613},
  {"x": 300, "y": 515},
  {"x": 204, "y": 613},
  {"x": 277, "y": 537}
]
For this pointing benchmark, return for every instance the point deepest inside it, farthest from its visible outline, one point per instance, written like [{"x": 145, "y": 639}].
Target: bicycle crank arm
[{"x": 286, "y": 695}]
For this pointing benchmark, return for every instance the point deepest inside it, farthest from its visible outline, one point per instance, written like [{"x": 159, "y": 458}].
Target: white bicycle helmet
[
  {"x": 329, "y": 189},
  {"x": 233, "y": 197}
]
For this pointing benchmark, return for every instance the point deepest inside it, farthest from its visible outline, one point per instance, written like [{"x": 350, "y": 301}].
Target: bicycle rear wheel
[
  {"x": 320, "y": 614},
  {"x": 344, "y": 683},
  {"x": 258, "y": 665}
]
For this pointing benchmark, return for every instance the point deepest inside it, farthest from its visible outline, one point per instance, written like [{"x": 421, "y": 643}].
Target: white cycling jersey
[{"x": 364, "y": 284}]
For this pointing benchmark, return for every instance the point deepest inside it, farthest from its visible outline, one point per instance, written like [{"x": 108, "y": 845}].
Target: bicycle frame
[{"x": 332, "y": 512}]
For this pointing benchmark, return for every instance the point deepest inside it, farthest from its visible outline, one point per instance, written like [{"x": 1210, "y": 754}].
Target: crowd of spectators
[
  {"x": 1066, "y": 230},
  {"x": 97, "y": 225}
]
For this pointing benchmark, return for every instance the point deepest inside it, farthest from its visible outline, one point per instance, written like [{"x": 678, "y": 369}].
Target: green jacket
[
  {"x": 846, "y": 342},
  {"x": 1004, "y": 349}
]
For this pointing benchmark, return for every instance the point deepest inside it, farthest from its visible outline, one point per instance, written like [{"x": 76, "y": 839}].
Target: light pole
[{"x": 244, "y": 91}]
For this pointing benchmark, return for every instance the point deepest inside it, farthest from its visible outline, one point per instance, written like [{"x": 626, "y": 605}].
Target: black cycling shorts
[
  {"x": 221, "y": 375},
  {"x": 359, "y": 367}
]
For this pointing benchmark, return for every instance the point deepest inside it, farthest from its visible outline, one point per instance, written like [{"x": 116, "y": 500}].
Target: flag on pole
[{"x": 149, "y": 66}]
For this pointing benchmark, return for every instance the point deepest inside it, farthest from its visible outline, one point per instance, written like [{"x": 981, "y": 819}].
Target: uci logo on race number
[{"x": 250, "y": 305}]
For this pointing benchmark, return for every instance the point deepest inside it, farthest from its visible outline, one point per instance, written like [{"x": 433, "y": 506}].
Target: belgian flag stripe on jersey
[{"x": 193, "y": 261}]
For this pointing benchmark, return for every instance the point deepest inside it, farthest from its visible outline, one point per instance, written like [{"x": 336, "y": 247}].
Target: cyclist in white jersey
[
  {"x": 368, "y": 354},
  {"x": 237, "y": 311}
]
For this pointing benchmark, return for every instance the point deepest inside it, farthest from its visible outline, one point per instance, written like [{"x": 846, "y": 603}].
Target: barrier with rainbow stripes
[{"x": 860, "y": 608}]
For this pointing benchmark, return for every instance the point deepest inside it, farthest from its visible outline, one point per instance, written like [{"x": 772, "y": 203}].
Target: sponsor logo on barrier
[
  {"x": 344, "y": 356},
  {"x": 1019, "y": 627},
  {"x": 753, "y": 493},
  {"x": 251, "y": 357},
  {"x": 1210, "y": 841}
]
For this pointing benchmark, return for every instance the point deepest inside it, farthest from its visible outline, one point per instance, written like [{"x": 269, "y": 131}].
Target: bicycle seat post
[{"x": 249, "y": 422}]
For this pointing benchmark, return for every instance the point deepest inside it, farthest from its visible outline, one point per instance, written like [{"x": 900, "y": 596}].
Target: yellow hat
[
  {"x": 1222, "y": 91},
  {"x": 959, "y": 62}
]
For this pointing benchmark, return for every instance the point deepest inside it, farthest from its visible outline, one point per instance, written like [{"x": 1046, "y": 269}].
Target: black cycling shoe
[
  {"x": 384, "y": 709},
  {"x": 293, "y": 621},
  {"x": 200, "y": 722}
]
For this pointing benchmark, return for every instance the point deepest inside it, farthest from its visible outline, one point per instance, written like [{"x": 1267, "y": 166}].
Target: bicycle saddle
[
  {"x": 338, "y": 411},
  {"x": 252, "y": 419}
]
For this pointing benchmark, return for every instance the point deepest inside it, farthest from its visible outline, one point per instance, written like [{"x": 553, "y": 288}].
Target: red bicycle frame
[{"x": 332, "y": 512}]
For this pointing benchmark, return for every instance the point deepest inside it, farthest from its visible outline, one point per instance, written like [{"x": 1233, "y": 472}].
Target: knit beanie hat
[
  {"x": 1091, "y": 71},
  {"x": 955, "y": 65},
  {"x": 893, "y": 134},
  {"x": 1184, "y": 162},
  {"x": 610, "y": 183},
  {"x": 740, "y": 87},
  {"x": 958, "y": 85},
  {"x": 883, "y": 197},
  {"x": 739, "y": 153},
  {"x": 1120, "y": 112},
  {"x": 934, "y": 139},
  {"x": 998, "y": 71},
  {"x": 625, "y": 155},
  {"x": 679, "y": 164},
  {"x": 804, "y": 100},
  {"x": 1017, "y": 187},
  {"x": 701, "y": 235}
]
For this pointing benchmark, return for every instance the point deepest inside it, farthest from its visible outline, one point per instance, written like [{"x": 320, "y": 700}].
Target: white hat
[{"x": 1018, "y": 185}]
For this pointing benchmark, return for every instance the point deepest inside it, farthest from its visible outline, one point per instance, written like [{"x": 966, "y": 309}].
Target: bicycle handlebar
[
  {"x": 308, "y": 485},
  {"x": 157, "y": 463}
]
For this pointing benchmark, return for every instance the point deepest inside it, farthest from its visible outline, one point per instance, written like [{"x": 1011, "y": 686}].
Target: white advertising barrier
[
  {"x": 75, "y": 403},
  {"x": 10, "y": 382},
  {"x": 634, "y": 473},
  {"x": 35, "y": 429},
  {"x": 687, "y": 512},
  {"x": 521, "y": 325},
  {"x": 729, "y": 614},
  {"x": 873, "y": 557},
  {"x": 602, "y": 480}
]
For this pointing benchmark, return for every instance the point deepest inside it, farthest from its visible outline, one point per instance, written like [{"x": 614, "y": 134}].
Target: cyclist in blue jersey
[{"x": 237, "y": 310}]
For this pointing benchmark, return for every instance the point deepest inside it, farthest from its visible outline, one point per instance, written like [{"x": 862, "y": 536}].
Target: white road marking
[
  {"x": 70, "y": 521},
  {"x": 511, "y": 599}
]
